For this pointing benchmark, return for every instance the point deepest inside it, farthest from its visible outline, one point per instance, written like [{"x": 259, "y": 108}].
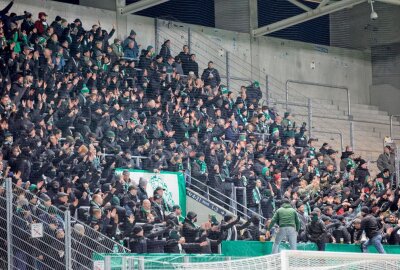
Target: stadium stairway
[
  {"x": 371, "y": 125},
  {"x": 206, "y": 200}
]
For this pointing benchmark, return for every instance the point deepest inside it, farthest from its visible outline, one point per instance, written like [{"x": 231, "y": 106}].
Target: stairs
[{"x": 370, "y": 125}]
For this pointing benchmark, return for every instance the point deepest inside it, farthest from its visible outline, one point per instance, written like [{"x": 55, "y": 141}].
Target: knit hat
[
  {"x": 137, "y": 229},
  {"x": 44, "y": 197},
  {"x": 214, "y": 220},
  {"x": 33, "y": 188},
  {"x": 174, "y": 234},
  {"x": 224, "y": 90},
  {"x": 85, "y": 89},
  {"x": 41, "y": 40},
  {"x": 299, "y": 204},
  {"x": 264, "y": 170},
  {"x": 115, "y": 201},
  {"x": 191, "y": 215},
  {"x": 242, "y": 137},
  {"x": 132, "y": 33}
]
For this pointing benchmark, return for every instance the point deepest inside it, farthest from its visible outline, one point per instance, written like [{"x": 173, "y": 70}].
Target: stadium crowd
[{"x": 77, "y": 103}]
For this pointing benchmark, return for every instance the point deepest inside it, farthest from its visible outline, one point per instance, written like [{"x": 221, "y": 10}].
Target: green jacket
[{"x": 285, "y": 216}]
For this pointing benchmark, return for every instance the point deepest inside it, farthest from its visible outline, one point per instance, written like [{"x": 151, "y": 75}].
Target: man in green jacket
[{"x": 289, "y": 224}]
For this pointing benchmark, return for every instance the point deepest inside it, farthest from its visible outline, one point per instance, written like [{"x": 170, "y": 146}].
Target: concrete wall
[
  {"x": 280, "y": 59},
  {"x": 201, "y": 210}
]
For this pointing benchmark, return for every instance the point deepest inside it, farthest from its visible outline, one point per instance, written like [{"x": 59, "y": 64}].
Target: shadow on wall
[{"x": 383, "y": 95}]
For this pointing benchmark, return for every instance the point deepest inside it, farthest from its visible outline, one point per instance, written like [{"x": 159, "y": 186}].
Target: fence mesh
[
  {"x": 287, "y": 260},
  {"x": 34, "y": 235}
]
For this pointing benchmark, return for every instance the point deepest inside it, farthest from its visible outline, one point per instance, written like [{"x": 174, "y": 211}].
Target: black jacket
[
  {"x": 138, "y": 244},
  {"x": 316, "y": 231},
  {"x": 371, "y": 226}
]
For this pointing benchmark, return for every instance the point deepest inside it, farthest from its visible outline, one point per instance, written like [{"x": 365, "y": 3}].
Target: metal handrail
[
  {"x": 322, "y": 85},
  {"x": 333, "y": 132},
  {"x": 246, "y": 211}
]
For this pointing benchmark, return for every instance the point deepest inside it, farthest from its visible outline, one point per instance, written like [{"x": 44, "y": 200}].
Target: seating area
[{"x": 77, "y": 103}]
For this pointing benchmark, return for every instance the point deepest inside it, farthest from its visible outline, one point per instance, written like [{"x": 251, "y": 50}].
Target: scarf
[{"x": 202, "y": 165}]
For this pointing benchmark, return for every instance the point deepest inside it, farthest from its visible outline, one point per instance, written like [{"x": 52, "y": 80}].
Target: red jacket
[{"x": 41, "y": 26}]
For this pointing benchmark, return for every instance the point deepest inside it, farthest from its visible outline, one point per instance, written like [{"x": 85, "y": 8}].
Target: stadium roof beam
[
  {"x": 300, "y": 5},
  {"x": 141, "y": 5},
  {"x": 310, "y": 15},
  {"x": 323, "y": 3},
  {"x": 393, "y": 2}
]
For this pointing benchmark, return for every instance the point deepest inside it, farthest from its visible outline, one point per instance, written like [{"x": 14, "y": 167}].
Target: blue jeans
[
  {"x": 290, "y": 233},
  {"x": 375, "y": 241}
]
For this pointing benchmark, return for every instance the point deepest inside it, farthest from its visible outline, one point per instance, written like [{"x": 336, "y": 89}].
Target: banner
[{"x": 172, "y": 182}]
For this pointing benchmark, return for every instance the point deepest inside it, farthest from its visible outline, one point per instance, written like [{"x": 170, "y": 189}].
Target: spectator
[
  {"x": 289, "y": 224},
  {"x": 386, "y": 160},
  {"x": 165, "y": 51},
  {"x": 184, "y": 56},
  {"x": 316, "y": 231},
  {"x": 41, "y": 24},
  {"x": 371, "y": 226},
  {"x": 193, "y": 66},
  {"x": 210, "y": 76}
]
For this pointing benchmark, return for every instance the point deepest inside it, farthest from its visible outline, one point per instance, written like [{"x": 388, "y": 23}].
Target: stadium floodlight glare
[
  {"x": 141, "y": 5},
  {"x": 374, "y": 15}
]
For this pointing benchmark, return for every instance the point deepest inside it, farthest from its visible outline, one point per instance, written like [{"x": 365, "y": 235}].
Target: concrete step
[{"x": 365, "y": 112}]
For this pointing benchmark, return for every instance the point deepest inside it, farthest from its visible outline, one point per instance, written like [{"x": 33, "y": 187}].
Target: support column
[
  {"x": 122, "y": 21},
  {"x": 254, "y": 45}
]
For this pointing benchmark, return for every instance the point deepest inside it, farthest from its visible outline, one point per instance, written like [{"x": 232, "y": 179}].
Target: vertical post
[
  {"x": 310, "y": 127},
  {"x": 156, "y": 34},
  {"x": 228, "y": 75},
  {"x": 267, "y": 89},
  {"x": 9, "y": 200},
  {"x": 352, "y": 134},
  {"x": 141, "y": 263},
  {"x": 284, "y": 260},
  {"x": 245, "y": 201},
  {"x": 68, "y": 232},
  {"x": 122, "y": 21},
  {"x": 107, "y": 263},
  {"x": 397, "y": 166},
  {"x": 186, "y": 259},
  {"x": 287, "y": 94},
  {"x": 190, "y": 39},
  {"x": 234, "y": 201},
  {"x": 348, "y": 101},
  {"x": 341, "y": 141},
  {"x": 391, "y": 126}
]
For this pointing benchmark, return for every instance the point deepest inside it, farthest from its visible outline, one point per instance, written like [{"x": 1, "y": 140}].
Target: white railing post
[
  {"x": 9, "y": 200},
  {"x": 67, "y": 240},
  {"x": 284, "y": 260}
]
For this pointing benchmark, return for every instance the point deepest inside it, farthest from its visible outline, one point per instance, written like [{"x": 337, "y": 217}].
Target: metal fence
[{"x": 36, "y": 235}]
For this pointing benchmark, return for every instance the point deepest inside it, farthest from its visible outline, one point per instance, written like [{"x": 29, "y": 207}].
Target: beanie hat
[
  {"x": 214, "y": 220},
  {"x": 137, "y": 229},
  {"x": 174, "y": 234},
  {"x": 85, "y": 89},
  {"x": 115, "y": 201}
]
